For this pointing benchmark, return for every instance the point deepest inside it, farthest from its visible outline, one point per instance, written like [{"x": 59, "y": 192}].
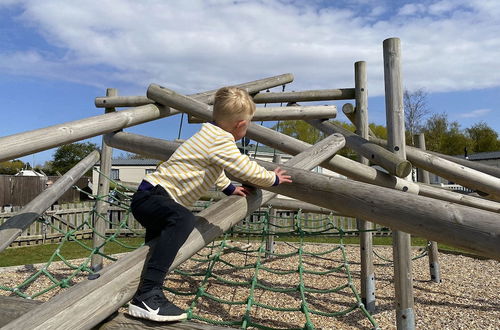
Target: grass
[{"x": 72, "y": 250}]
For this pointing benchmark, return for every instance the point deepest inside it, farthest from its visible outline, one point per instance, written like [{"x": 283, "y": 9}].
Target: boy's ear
[{"x": 240, "y": 123}]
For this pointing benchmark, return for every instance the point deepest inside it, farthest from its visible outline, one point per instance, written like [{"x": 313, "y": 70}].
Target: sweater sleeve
[
  {"x": 225, "y": 154},
  {"x": 222, "y": 181}
]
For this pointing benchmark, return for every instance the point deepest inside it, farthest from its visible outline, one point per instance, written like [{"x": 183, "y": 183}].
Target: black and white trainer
[{"x": 154, "y": 306}]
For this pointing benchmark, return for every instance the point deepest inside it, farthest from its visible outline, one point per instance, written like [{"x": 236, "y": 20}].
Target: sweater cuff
[
  {"x": 229, "y": 189},
  {"x": 277, "y": 181}
]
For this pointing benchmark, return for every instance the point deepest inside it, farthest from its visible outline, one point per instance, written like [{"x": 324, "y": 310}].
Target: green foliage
[
  {"x": 447, "y": 138},
  {"x": 300, "y": 130},
  {"x": 379, "y": 130},
  {"x": 11, "y": 167},
  {"x": 483, "y": 138},
  {"x": 69, "y": 155}
]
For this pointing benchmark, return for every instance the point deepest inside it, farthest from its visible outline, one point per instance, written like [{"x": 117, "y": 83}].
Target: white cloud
[
  {"x": 475, "y": 113},
  {"x": 197, "y": 45},
  {"x": 411, "y": 9}
]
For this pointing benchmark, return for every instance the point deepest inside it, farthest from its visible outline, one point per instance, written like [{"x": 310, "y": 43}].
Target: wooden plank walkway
[{"x": 13, "y": 307}]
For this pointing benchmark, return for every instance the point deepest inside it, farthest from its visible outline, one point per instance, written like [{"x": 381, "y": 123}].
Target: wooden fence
[
  {"x": 60, "y": 219},
  {"x": 20, "y": 190}
]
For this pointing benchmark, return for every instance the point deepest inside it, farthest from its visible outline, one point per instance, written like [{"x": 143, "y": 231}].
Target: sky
[{"x": 56, "y": 56}]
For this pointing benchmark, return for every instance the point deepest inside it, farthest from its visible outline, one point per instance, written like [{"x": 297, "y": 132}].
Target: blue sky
[{"x": 56, "y": 56}]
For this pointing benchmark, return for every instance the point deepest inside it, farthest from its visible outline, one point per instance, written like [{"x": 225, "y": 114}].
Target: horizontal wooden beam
[
  {"x": 13, "y": 307},
  {"x": 476, "y": 165},
  {"x": 26, "y": 143},
  {"x": 121, "y": 101},
  {"x": 287, "y": 113},
  {"x": 457, "y": 225},
  {"x": 14, "y": 226},
  {"x": 394, "y": 164},
  {"x": 450, "y": 170},
  {"x": 152, "y": 148},
  {"x": 305, "y": 96},
  {"x": 205, "y": 97}
]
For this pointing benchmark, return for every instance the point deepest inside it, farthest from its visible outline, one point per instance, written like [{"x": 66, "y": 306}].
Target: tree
[
  {"x": 454, "y": 141},
  {"x": 483, "y": 138},
  {"x": 300, "y": 130},
  {"x": 69, "y": 155},
  {"x": 415, "y": 107},
  {"x": 435, "y": 129},
  {"x": 130, "y": 155},
  {"x": 11, "y": 167},
  {"x": 380, "y": 131}
]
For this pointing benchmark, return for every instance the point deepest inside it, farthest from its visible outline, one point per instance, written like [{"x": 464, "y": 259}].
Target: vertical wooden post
[
  {"x": 366, "y": 238},
  {"x": 403, "y": 278},
  {"x": 423, "y": 176},
  {"x": 101, "y": 212},
  {"x": 272, "y": 220}
]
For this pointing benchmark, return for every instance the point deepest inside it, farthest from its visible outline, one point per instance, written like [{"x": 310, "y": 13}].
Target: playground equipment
[{"x": 390, "y": 199}]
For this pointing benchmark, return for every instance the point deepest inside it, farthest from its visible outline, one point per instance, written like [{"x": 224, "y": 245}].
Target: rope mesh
[{"x": 239, "y": 263}]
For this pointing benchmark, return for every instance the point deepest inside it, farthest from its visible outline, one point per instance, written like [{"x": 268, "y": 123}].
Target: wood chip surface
[{"x": 467, "y": 298}]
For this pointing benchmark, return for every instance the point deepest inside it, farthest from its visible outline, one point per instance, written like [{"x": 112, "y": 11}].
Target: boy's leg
[{"x": 171, "y": 223}]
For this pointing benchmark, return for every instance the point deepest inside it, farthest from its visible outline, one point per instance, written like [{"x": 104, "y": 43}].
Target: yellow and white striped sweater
[{"x": 199, "y": 163}]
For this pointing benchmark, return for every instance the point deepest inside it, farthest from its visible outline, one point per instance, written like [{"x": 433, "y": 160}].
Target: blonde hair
[{"x": 233, "y": 104}]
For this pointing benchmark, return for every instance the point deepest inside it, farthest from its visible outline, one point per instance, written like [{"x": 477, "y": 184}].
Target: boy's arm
[
  {"x": 225, "y": 154},
  {"x": 224, "y": 184}
]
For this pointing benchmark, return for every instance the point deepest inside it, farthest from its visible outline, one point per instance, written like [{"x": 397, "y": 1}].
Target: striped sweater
[{"x": 199, "y": 163}]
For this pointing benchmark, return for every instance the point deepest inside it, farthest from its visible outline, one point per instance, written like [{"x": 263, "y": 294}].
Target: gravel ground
[{"x": 467, "y": 298}]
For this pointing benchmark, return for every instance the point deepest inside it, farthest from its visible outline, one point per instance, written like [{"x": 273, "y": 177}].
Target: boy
[{"x": 161, "y": 201}]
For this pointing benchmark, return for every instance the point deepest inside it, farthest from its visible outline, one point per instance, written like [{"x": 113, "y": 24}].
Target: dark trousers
[{"x": 164, "y": 218}]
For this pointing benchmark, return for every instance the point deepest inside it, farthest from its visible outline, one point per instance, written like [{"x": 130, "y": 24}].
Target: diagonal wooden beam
[
  {"x": 14, "y": 226},
  {"x": 83, "y": 306}
]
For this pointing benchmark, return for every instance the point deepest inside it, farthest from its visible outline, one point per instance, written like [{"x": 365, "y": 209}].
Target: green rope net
[{"x": 240, "y": 280}]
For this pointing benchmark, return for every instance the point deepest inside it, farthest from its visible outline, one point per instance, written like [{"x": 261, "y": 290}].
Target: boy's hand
[
  {"x": 281, "y": 175},
  {"x": 241, "y": 191}
]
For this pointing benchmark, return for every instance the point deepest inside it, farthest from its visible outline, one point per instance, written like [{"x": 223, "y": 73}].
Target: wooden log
[
  {"x": 450, "y": 170},
  {"x": 21, "y": 144},
  {"x": 478, "y": 227},
  {"x": 488, "y": 169},
  {"x": 82, "y": 306},
  {"x": 166, "y": 96},
  {"x": 101, "y": 212},
  {"x": 26, "y": 143},
  {"x": 122, "y": 321},
  {"x": 162, "y": 149},
  {"x": 394, "y": 164},
  {"x": 251, "y": 87},
  {"x": 349, "y": 111},
  {"x": 13, "y": 227},
  {"x": 121, "y": 101},
  {"x": 401, "y": 241},
  {"x": 287, "y": 113},
  {"x": 450, "y": 196},
  {"x": 294, "y": 205},
  {"x": 434, "y": 192},
  {"x": 14, "y": 307},
  {"x": 339, "y": 164},
  {"x": 303, "y": 96},
  {"x": 271, "y": 226},
  {"x": 206, "y": 97},
  {"x": 457, "y": 225},
  {"x": 423, "y": 176},
  {"x": 365, "y": 237}
]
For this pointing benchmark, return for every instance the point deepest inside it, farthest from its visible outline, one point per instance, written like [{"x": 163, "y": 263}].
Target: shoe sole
[{"x": 144, "y": 314}]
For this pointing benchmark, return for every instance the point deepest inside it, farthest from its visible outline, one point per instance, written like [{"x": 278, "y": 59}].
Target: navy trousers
[{"x": 164, "y": 218}]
